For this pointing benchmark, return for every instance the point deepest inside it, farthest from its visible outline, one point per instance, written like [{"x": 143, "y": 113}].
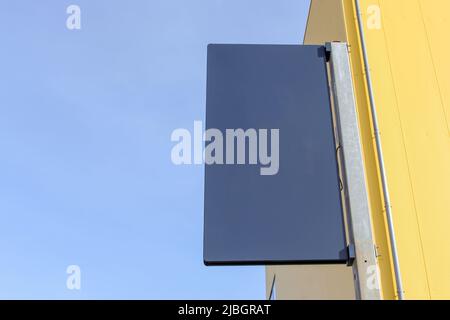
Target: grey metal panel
[
  {"x": 356, "y": 197},
  {"x": 296, "y": 215}
]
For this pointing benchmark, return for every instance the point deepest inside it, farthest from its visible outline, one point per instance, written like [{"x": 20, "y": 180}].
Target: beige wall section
[
  {"x": 311, "y": 282},
  {"x": 325, "y": 23}
]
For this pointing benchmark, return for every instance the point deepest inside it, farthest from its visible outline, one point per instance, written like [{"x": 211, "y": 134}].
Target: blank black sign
[{"x": 294, "y": 216}]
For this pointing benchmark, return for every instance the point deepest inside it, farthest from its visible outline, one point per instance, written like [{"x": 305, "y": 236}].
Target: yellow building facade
[{"x": 409, "y": 57}]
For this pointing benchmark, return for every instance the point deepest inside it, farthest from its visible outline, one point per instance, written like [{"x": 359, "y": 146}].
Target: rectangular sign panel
[{"x": 272, "y": 191}]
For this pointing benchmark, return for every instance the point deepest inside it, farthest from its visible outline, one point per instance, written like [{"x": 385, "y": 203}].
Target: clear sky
[{"x": 86, "y": 116}]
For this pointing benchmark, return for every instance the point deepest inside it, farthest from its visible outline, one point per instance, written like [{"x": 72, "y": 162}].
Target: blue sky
[{"x": 85, "y": 121}]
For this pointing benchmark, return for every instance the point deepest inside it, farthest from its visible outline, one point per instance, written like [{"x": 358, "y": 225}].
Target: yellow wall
[
  {"x": 409, "y": 57},
  {"x": 409, "y": 60}
]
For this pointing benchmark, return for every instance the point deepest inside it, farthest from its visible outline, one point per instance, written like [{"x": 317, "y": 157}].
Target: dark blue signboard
[{"x": 272, "y": 191}]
